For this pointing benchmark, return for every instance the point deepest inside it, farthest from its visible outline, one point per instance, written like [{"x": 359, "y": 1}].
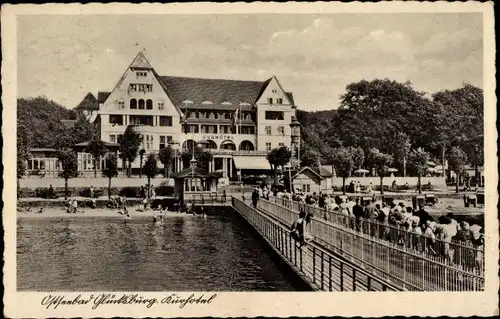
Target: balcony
[{"x": 237, "y": 153}]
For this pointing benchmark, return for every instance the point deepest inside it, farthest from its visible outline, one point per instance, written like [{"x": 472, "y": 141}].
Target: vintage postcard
[{"x": 249, "y": 159}]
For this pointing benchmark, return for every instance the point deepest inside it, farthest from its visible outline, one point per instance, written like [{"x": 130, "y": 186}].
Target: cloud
[{"x": 315, "y": 56}]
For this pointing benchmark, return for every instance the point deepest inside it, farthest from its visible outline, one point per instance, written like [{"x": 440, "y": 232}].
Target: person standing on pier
[{"x": 255, "y": 197}]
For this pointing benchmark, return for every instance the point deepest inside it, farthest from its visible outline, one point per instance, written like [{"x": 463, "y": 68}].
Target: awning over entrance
[{"x": 251, "y": 162}]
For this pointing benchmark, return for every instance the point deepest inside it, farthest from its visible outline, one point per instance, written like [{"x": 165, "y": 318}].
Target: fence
[
  {"x": 408, "y": 268},
  {"x": 317, "y": 265}
]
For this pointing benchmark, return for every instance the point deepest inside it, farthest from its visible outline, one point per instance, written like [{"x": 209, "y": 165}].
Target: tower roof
[{"x": 89, "y": 103}]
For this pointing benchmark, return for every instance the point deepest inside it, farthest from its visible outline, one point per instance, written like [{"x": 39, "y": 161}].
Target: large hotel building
[{"x": 238, "y": 121}]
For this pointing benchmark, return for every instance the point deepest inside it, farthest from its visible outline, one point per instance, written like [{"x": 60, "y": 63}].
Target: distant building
[
  {"x": 239, "y": 122},
  {"x": 312, "y": 179}
]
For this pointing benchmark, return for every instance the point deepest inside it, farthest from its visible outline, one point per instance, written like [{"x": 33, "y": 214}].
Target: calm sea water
[{"x": 184, "y": 254}]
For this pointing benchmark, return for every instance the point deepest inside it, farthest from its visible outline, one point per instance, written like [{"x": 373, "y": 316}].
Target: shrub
[
  {"x": 163, "y": 190},
  {"x": 130, "y": 192}
]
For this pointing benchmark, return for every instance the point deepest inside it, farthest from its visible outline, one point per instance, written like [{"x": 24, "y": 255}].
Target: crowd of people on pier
[{"x": 448, "y": 237}]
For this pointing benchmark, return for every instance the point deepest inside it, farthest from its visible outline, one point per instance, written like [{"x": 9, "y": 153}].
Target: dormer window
[
  {"x": 206, "y": 103},
  {"x": 244, "y": 104},
  {"x": 226, "y": 103}
]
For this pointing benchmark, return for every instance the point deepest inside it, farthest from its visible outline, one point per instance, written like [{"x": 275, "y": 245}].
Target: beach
[{"x": 98, "y": 212}]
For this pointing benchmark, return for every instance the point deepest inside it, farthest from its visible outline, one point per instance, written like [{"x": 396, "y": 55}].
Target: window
[
  {"x": 274, "y": 91},
  {"x": 268, "y": 130},
  {"x": 193, "y": 129},
  {"x": 112, "y": 138},
  {"x": 306, "y": 188},
  {"x": 281, "y": 144},
  {"x": 141, "y": 120},
  {"x": 116, "y": 119},
  {"x": 165, "y": 121},
  {"x": 211, "y": 129},
  {"x": 269, "y": 100},
  {"x": 141, "y": 74},
  {"x": 247, "y": 130},
  {"x": 275, "y": 115},
  {"x": 133, "y": 87},
  {"x": 141, "y": 104},
  {"x": 121, "y": 104},
  {"x": 165, "y": 140},
  {"x": 279, "y": 100},
  {"x": 281, "y": 130},
  {"x": 268, "y": 146},
  {"x": 160, "y": 105},
  {"x": 133, "y": 104},
  {"x": 149, "y": 105},
  {"x": 225, "y": 129}
]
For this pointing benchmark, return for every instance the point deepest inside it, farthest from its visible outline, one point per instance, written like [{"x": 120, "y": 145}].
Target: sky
[{"x": 314, "y": 56}]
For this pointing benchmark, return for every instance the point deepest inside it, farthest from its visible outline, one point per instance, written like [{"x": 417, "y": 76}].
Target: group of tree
[{"x": 395, "y": 118}]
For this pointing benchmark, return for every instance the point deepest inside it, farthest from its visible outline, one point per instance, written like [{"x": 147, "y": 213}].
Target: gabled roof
[
  {"x": 102, "y": 97},
  {"x": 216, "y": 91},
  {"x": 322, "y": 171},
  {"x": 89, "y": 103},
  {"x": 307, "y": 168},
  {"x": 196, "y": 172}
]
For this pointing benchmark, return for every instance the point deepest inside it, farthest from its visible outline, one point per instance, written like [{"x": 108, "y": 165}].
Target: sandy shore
[{"x": 108, "y": 213}]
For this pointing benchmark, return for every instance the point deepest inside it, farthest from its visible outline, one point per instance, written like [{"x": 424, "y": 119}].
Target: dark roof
[
  {"x": 309, "y": 169},
  {"x": 68, "y": 123},
  {"x": 85, "y": 144},
  {"x": 216, "y": 91},
  {"x": 42, "y": 149},
  {"x": 88, "y": 103},
  {"x": 290, "y": 97},
  {"x": 197, "y": 172},
  {"x": 322, "y": 171},
  {"x": 102, "y": 96}
]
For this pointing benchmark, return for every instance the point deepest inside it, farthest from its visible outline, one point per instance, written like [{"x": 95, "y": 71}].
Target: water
[{"x": 184, "y": 254}]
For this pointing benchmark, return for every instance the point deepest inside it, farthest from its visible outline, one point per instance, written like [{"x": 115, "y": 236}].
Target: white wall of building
[{"x": 274, "y": 92}]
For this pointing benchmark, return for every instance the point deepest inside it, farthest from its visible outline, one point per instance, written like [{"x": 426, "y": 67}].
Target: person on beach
[{"x": 40, "y": 211}]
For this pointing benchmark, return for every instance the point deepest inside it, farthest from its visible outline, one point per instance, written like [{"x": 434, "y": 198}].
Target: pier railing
[
  {"x": 319, "y": 266},
  {"x": 408, "y": 268}
]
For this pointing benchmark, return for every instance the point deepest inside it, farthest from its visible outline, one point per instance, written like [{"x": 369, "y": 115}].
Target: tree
[
  {"x": 372, "y": 112},
  {"x": 141, "y": 156},
  {"x": 110, "y": 170},
  {"x": 83, "y": 130},
  {"x": 343, "y": 161},
  {"x": 23, "y": 150},
  {"x": 418, "y": 159},
  {"x": 358, "y": 156},
  {"x": 278, "y": 157},
  {"x": 150, "y": 169},
  {"x": 69, "y": 165},
  {"x": 401, "y": 149},
  {"x": 381, "y": 162},
  {"x": 129, "y": 146},
  {"x": 201, "y": 156},
  {"x": 97, "y": 148},
  {"x": 456, "y": 160},
  {"x": 166, "y": 156}
]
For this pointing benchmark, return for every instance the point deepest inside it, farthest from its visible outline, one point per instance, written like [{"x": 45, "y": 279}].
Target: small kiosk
[{"x": 195, "y": 183}]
